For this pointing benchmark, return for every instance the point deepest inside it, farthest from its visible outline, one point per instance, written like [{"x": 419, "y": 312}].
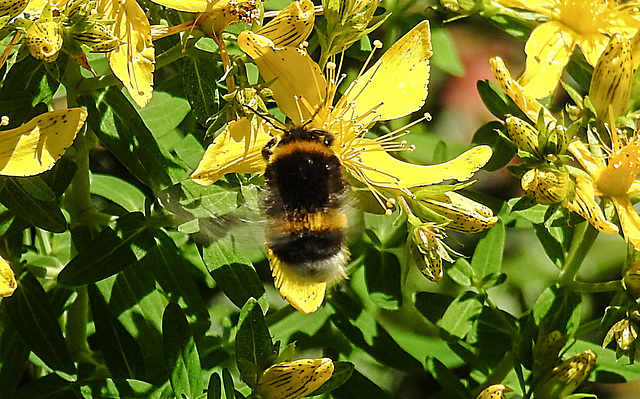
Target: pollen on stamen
[
  {"x": 411, "y": 148},
  {"x": 4, "y": 120},
  {"x": 377, "y": 44}
]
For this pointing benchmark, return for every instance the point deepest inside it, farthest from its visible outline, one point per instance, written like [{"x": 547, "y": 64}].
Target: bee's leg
[{"x": 266, "y": 150}]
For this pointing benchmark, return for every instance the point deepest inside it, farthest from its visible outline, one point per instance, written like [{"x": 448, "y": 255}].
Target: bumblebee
[{"x": 306, "y": 224}]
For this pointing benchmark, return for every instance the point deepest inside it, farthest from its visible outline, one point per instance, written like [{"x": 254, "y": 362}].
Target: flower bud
[
  {"x": 567, "y": 376},
  {"x": 293, "y": 380},
  {"x": 625, "y": 334},
  {"x": 98, "y": 39},
  {"x": 523, "y": 135},
  {"x": 427, "y": 250},
  {"x": 631, "y": 279},
  {"x": 11, "y": 8},
  {"x": 44, "y": 40},
  {"x": 546, "y": 186},
  {"x": 78, "y": 11},
  {"x": 464, "y": 214},
  {"x": 610, "y": 87},
  {"x": 495, "y": 392}
]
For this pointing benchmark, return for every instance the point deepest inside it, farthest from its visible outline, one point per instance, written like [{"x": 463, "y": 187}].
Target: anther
[{"x": 377, "y": 44}]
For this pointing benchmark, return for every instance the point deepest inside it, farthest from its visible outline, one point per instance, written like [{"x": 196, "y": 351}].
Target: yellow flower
[
  {"x": 394, "y": 87},
  {"x": 612, "y": 176},
  {"x": 132, "y": 60},
  {"x": 585, "y": 23}
]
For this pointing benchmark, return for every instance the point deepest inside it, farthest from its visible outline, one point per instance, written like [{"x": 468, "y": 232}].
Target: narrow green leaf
[
  {"x": 214, "y": 389},
  {"x": 37, "y": 188},
  {"x": 173, "y": 273},
  {"x": 51, "y": 386},
  {"x": 181, "y": 353},
  {"x": 254, "y": 349},
  {"x": 121, "y": 129},
  {"x": 503, "y": 150},
  {"x": 13, "y": 354},
  {"x": 558, "y": 309},
  {"x": 139, "y": 306},
  {"x": 447, "y": 379},
  {"x": 119, "y": 191},
  {"x": 487, "y": 257},
  {"x": 382, "y": 275},
  {"x": 110, "y": 252},
  {"x": 121, "y": 352},
  {"x": 432, "y": 305},
  {"x": 551, "y": 246},
  {"x": 34, "y": 318},
  {"x": 367, "y": 334},
  {"x": 123, "y": 388},
  {"x": 445, "y": 54},
  {"x": 200, "y": 77},
  {"x": 43, "y": 214},
  {"x": 227, "y": 383},
  {"x": 359, "y": 387},
  {"x": 341, "y": 373},
  {"x": 460, "y": 315},
  {"x": 232, "y": 272}
]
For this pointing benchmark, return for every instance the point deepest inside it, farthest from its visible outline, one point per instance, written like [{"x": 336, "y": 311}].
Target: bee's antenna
[{"x": 266, "y": 118}]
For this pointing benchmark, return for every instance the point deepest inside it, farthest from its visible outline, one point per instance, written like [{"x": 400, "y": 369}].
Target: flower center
[{"x": 583, "y": 16}]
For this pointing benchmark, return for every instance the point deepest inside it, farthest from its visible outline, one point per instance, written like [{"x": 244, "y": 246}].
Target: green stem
[
  {"x": 76, "y": 328},
  {"x": 583, "y": 239}
]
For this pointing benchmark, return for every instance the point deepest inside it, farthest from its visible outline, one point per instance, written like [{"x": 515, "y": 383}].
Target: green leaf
[
  {"x": 200, "y": 77},
  {"x": 190, "y": 151},
  {"x": 497, "y": 102},
  {"x": 34, "y": 318},
  {"x": 139, "y": 306},
  {"x": 234, "y": 274},
  {"x": 123, "y": 388},
  {"x": 503, "y": 150},
  {"x": 110, "y": 252},
  {"x": 37, "y": 188},
  {"x": 255, "y": 351},
  {"x": 13, "y": 354},
  {"x": 558, "y": 309},
  {"x": 214, "y": 389},
  {"x": 382, "y": 275},
  {"x": 367, "y": 334},
  {"x": 551, "y": 246},
  {"x": 118, "y": 191},
  {"x": 50, "y": 386},
  {"x": 487, "y": 257},
  {"x": 121, "y": 129},
  {"x": 25, "y": 85},
  {"x": 609, "y": 368},
  {"x": 191, "y": 200},
  {"x": 173, "y": 274},
  {"x": 359, "y": 387},
  {"x": 341, "y": 373},
  {"x": 445, "y": 56},
  {"x": 43, "y": 214},
  {"x": 433, "y": 305},
  {"x": 164, "y": 112},
  {"x": 121, "y": 352},
  {"x": 181, "y": 353},
  {"x": 460, "y": 315},
  {"x": 447, "y": 379}
]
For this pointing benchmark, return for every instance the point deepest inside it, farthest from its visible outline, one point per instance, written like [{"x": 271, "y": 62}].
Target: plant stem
[
  {"x": 583, "y": 239},
  {"x": 76, "y": 328}
]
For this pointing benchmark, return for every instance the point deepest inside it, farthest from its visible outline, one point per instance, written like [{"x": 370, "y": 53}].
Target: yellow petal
[
  {"x": 188, "y": 5},
  {"x": 132, "y": 61},
  {"x": 610, "y": 87},
  {"x": 304, "y": 296},
  {"x": 629, "y": 220},
  {"x": 524, "y": 100},
  {"x": 381, "y": 169},
  {"x": 233, "y": 151},
  {"x": 293, "y": 380},
  {"x": 36, "y": 146},
  {"x": 465, "y": 214},
  {"x": 584, "y": 204},
  {"x": 592, "y": 46},
  {"x": 620, "y": 173},
  {"x": 7, "y": 279},
  {"x": 548, "y": 50},
  {"x": 292, "y": 26},
  {"x": 580, "y": 152},
  {"x": 397, "y": 84},
  {"x": 297, "y": 83}
]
